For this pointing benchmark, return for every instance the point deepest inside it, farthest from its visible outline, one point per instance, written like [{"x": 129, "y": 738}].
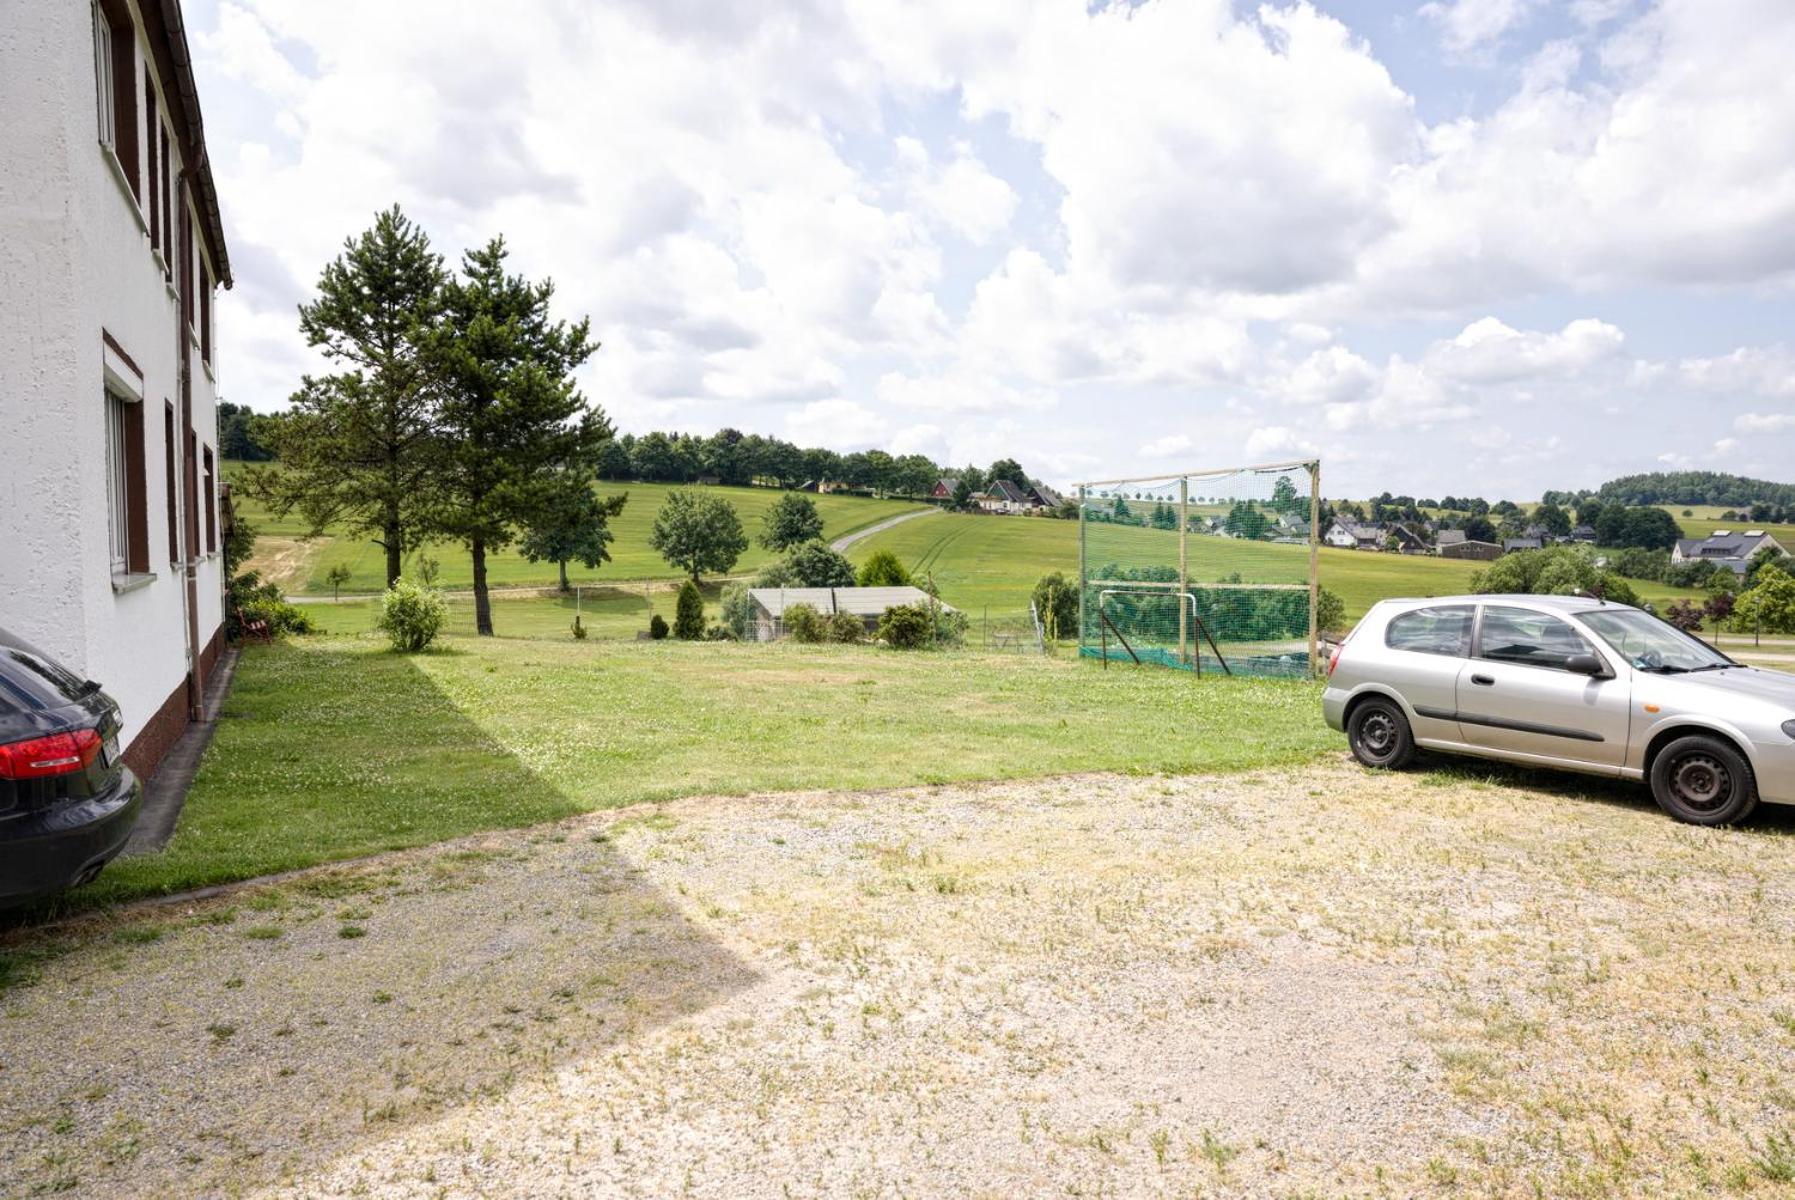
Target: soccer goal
[{"x": 1203, "y": 571}]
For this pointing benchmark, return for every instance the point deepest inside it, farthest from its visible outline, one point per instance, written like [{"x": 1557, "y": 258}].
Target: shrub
[
  {"x": 815, "y": 565},
  {"x": 950, "y": 624},
  {"x": 1056, "y": 603},
  {"x": 1685, "y": 615},
  {"x": 1330, "y": 612},
  {"x": 907, "y": 627},
  {"x": 688, "y": 613},
  {"x": 805, "y": 623},
  {"x": 738, "y": 611},
  {"x": 657, "y": 627},
  {"x": 846, "y": 628},
  {"x": 884, "y": 569},
  {"x": 259, "y": 601},
  {"x": 579, "y": 630},
  {"x": 777, "y": 575},
  {"x": 412, "y": 615}
]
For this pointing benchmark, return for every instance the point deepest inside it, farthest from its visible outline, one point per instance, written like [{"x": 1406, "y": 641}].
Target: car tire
[
  {"x": 1702, "y": 780},
  {"x": 1379, "y": 734}
]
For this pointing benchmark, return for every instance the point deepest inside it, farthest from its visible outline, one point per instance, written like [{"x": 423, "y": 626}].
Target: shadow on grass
[
  {"x": 278, "y": 1031},
  {"x": 1570, "y": 785}
]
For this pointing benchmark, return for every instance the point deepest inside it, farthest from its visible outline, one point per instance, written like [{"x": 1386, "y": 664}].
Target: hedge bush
[
  {"x": 907, "y": 627},
  {"x": 846, "y": 628},
  {"x": 411, "y": 615},
  {"x": 805, "y": 623},
  {"x": 657, "y": 627}
]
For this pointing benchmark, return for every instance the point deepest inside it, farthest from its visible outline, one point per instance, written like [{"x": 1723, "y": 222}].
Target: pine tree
[
  {"x": 516, "y": 431},
  {"x": 356, "y": 447},
  {"x": 688, "y": 613}
]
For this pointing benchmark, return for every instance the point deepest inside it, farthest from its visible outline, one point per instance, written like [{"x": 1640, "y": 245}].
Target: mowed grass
[
  {"x": 990, "y": 562},
  {"x": 616, "y": 612},
  {"x": 299, "y": 566},
  {"x": 332, "y": 748}
]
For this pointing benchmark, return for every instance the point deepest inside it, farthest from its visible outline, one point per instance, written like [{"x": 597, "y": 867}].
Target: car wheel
[
  {"x": 1704, "y": 781},
  {"x": 1379, "y": 734}
]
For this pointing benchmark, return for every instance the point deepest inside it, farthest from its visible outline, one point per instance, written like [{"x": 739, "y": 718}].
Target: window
[
  {"x": 102, "y": 74},
  {"x": 118, "y": 491},
  {"x": 1519, "y": 635},
  {"x": 168, "y": 229},
  {"x": 211, "y": 495},
  {"x": 1445, "y": 629},
  {"x": 115, "y": 85},
  {"x": 153, "y": 164},
  {"x": 205, "y": 313},
  {"x": 1652, "y": 645},
  {"x": 170, "y": 479},
  {"x": 127, "y": 520}
]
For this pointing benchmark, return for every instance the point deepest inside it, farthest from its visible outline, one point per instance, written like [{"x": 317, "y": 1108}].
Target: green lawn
[
  {"x": 299, "y": 566},
  {"x": 987, "y": 562},
  {"x": 332, "y": 748},
  {"x": 618, "y": 612}
]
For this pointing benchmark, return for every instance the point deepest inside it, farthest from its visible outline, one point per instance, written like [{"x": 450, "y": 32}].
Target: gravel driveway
[{"x": 1308, "y": 982}]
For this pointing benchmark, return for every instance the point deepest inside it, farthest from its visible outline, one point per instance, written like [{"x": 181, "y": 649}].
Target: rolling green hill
[
  {"x": 986, "y": 563},
  {"x": 299, "y": 565}
]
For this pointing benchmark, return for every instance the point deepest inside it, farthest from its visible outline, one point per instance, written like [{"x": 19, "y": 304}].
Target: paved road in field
[{"x": 840, "y": 545}]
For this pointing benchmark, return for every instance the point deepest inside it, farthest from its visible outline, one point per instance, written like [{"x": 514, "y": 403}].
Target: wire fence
[{"x": 1202, "y": 571}]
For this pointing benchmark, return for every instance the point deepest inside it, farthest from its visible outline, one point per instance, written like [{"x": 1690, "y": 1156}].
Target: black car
[{"x": 67, "y": 801}]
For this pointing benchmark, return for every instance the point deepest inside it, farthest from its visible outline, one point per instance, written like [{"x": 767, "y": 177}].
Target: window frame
[
  {"x": 1483, "y": 610},
  {"x": 105, "y": 90},
  {"x": 118, "y": 488},
  {"x": 1470, "y": 634}
]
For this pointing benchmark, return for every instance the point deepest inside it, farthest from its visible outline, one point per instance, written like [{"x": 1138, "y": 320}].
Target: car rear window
[
  {"x": 1442, "y": 629},
  {"x": 30, "y": 680}
]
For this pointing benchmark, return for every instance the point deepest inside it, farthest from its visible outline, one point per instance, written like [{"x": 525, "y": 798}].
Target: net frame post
[
  {"x": 1184, "y": 561},
  {"x": 1314, "y": 567},
  {"x": 1083, "y": 501}
]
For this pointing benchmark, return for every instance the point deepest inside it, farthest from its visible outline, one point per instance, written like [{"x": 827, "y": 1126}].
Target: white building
[{"x": 110, "y": 248}]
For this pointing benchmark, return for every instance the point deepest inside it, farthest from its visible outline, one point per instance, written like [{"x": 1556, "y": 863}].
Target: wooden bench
[{"x": 258, "y": 628}]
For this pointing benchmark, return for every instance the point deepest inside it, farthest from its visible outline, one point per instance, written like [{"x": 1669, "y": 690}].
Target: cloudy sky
[{"x": 1486, "y": 246}]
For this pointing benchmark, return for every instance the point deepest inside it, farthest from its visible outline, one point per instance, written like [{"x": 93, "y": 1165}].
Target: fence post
[
  {"x": 1314, "y": 568},
  {"x": 1083, "y": 494},
  {"x": 1184, "y": 562}
]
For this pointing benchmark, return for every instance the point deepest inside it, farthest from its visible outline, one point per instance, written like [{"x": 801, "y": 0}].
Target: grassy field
[
  {"x": 1705, "y": 519},
  {"x": 331, "y": 748},
  {"x": 299, "y": 565},
  {"x": 982, "y": 562},
  {"x": 617, "y": 612}
]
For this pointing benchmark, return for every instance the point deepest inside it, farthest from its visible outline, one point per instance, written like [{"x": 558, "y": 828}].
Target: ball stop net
[{"x": 1203, "y": 571}]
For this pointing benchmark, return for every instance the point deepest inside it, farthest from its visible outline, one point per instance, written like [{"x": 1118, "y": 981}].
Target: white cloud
[
  {"x": 1471, "y": 24},
  {"x": 1488, "y": 351},
  {"x": 1166, "y": 447},
  {"x": 961, "y": 194},
  {"x": 1765, "y": 423},
  {"x": 1278, "y": 441},
  {"x": 1767, "y": 371},
  {"x": 1334, "y": 375}
]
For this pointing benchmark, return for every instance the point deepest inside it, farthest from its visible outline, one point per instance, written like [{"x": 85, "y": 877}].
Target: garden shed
[{"x": 769, "y": 605}]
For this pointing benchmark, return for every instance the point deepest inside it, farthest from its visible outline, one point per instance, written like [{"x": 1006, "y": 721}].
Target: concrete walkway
[
  {"x": 166, "y": 791},
  {"x": 840, "y": 545}
]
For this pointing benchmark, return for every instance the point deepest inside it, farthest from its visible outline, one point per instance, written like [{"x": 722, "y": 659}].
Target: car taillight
[
  {"x": 57, "y": 754},
  {"x": 1334, "y": 658}
]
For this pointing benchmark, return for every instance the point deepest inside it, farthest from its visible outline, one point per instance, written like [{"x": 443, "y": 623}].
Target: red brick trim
[{"x": 159, "y": 734}]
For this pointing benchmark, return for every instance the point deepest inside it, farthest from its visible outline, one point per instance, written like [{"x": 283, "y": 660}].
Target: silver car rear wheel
[
  {"x": 1704, "y": 781},
  {"x": 1379, "y": 734}
]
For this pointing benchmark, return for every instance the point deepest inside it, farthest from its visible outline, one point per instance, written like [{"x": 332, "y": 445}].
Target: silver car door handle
[{"x": 1483, "y": 680}]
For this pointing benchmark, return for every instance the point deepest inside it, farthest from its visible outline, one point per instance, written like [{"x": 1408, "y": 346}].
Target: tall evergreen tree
[
  {"x": 515, "y": 430},
  {"x": 356, "y": 446}
]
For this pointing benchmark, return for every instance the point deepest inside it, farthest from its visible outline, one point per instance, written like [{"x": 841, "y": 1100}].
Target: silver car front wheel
[{"x": 1704, "y": 781}]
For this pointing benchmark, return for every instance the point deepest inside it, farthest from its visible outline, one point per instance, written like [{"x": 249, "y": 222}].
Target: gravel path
[
  {"x": 840, "y": 545},
  {"x": 1306, "y": 982}
]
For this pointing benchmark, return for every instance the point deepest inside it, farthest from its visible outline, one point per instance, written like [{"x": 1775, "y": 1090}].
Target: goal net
[{"x": 1203, "y": 571}]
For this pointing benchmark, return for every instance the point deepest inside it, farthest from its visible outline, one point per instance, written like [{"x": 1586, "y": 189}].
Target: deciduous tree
[{"x": 697, "y": 532}]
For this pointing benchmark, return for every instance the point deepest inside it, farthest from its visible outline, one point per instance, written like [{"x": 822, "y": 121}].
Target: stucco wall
[{"x": 77, "y": 259}]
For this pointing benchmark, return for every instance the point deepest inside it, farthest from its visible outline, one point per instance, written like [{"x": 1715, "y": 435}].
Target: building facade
[{"x": 111, "y": 249}]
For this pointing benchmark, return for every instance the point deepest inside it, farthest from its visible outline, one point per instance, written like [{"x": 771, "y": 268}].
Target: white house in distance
[
  {"x": 111, "y": 246},
  {"x": 1726, "y": 548}
]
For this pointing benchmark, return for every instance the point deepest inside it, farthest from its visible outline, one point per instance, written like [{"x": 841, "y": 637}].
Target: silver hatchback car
[{"x": 1567, "y": 682}]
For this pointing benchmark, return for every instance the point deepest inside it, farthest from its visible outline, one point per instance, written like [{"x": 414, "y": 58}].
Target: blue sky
[{"x": 1486, "y": 246}]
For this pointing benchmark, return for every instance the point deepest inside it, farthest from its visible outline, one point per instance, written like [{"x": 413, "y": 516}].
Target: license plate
[{"x": 109, "y": 751}]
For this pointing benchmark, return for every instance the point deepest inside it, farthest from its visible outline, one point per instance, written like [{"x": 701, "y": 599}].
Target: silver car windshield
[{"x": 1652, "y": 645}]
